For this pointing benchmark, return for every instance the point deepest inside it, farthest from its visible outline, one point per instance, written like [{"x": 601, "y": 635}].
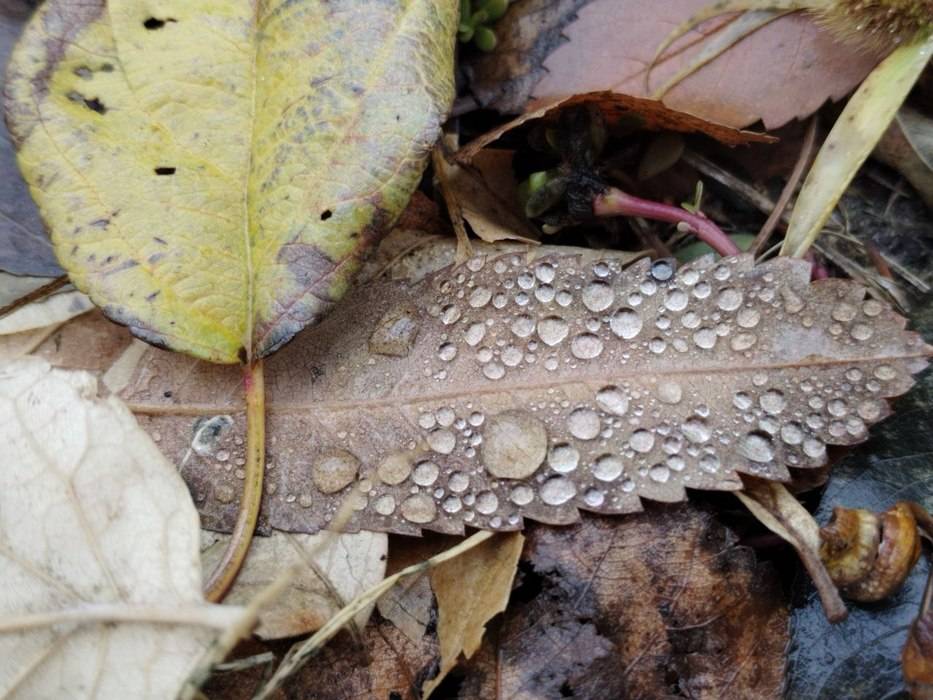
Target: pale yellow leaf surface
[
  {"x": 101, "y": 580},
  {"x": 470, "y": 590},
  {"x": 212, "y": 171},
  {"x": 333, "y": 569}
]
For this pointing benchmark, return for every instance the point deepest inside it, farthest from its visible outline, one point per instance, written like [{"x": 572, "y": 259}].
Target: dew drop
[
  {"x": 670, "y": 392},
  {"x": 493, "y": 371},
  {"x": 709, "y": 463},
  {"x": 586, "y": 346},
  {"x": 642, "y": 441},
  {"x": 597, "y": 296},
  {"x": 442, "y": 441},
  {"x": 419, "y": 509},
  {"x": 676, "y": 300},
  {"x": 514, "y": 445},
  {"x": 474, "y": 334},
  {"x": 522, "y": 495},
  {"x": 425, "y": 473},
  {"x": 625, "y": 323},
  {"x": 385, "y": 505},
  {"x": 756, "y": 447},
  {"x": 450, "y": 314},
  {"x": 659, "y": 473},
  {"x": 447, "y": 352},
  {"x": 486, "y": 503},
  {"x": 394, "y": 469},
  {"x": 563, "y": 458},
  {"x": 479, "y": 297},
  {"x": 557, "y": 491},
  {"x": 452, "y": 504},
  {"x": 696, "y": 430},
  {"x": 545, "y": 272},
  {"x": 583, "y": 423},
  {"x": 523, "y": 326},
  {"x": 705, "y": 338},
  {"x": 772, "y": 402},
  {"x": 458, "y": 482},
  {"x": 662, "y": 270},
  {"x": 612, "y": 400},
  {"x": 607, "y": 467},
  {"x": 729, "y": 299},
  {"x": 748, "y": 318},
  {"x": 861, "y": 331},
  {"x": 334, "y": 470},
  {"x": 552, "y": 330},
  {"x": 844, "y": 312},
  {"x": 594, "y": 498}
]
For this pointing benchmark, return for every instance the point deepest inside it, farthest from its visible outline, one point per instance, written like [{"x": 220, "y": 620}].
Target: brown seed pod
[{"x": 869, "y": 556}]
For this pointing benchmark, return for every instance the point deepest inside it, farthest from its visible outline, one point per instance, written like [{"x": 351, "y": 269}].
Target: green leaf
[{"x": 213, "y": 170}]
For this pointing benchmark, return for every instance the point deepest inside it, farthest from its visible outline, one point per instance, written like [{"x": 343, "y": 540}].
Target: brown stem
[
  {"x": 615, "y": 202},
  {"x": 36, "y": 294},
  {"x": 223, "y": 576}
]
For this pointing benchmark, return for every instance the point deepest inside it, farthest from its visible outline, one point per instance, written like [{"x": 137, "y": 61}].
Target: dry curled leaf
[
  {"x": 537, "y": 383},
  {"x": 283, "y": 137},
  {"x": 101, "y": 594},
  {"x": 333, "y": 569},
  {"x": 908, "y": 146},
  {"x": 50, "y": 311}
]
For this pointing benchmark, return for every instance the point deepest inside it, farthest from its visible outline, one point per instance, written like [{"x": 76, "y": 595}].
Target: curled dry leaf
[
  {"x": 548, "y": 50},
  {"x": 50, "y": 311},
  {"x": 282, "y": 144},
  {"x": 621, "y": 111},
  {"x": 333, "y": 568},
  {"x": 101, "y": 592},
  {"x": 907, "y": 145},
  {"x": 537, "y": 383}
]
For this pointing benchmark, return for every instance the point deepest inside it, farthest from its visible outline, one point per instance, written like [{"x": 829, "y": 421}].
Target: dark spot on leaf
[
  {"x": 326, "y": 214},
  {"x": 155, "y": 257},
  {"x": 95, "y": 105},
  {"x": 160, "y": 241},
  {"x": 101, "y": 223},
  {"x": 242, "y": 355},
  {"x": 155, "y": 23},
  {"x": 165, "y": 170},
  {"x": 152, "y": 296},
  {"x": 83, "y": 72},
  {"x": 167, "y": 394},
  {"x": 107, "y": 67}
]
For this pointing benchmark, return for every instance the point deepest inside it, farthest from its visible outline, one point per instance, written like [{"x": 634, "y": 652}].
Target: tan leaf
[
  {"x": 908, "y": 146},
  {"x": 101, "y": 594},
  {"x": 532, "y": 384},
  {"x": 470, "y": 590},
  {"x": 334, "y": 569},
  {"x": 548, "y": 50}
]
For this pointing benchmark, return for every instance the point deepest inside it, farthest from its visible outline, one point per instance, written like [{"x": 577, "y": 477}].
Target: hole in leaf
[
  {"x": 95, "y": 104},
  {"x": 326, "y": 214},
  {"x": 156, "y": 23},
  {"x": 165, "y": 171}
]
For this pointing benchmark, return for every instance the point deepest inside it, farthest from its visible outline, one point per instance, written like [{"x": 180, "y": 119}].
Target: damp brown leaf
[{"x": 536, "y": 383}]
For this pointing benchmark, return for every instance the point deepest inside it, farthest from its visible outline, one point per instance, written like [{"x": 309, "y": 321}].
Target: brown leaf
[
  {"x": 547, "y": 50},
  {"x": 536, "y": 383},
  {"x": 619, "y": 109},
  {"x": 658, "y": 605},
  {"x": 470, "y": 590},
  {"x": 907, "y": 145}
]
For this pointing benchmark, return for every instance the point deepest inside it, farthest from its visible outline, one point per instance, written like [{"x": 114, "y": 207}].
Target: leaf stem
[
  {"x": 222, "y": 578},
  {"x": 615, "y": 202},
  {"x": 196, "y": 615}
]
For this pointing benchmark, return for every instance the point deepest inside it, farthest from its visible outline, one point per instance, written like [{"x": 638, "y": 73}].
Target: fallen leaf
[
  {"x": 101, "y": 593},
  {"x": 860, "y": 658},
  {"x": 15, "y": 287},
  {"x": 25, "y": 248},
  {"x": 533, "y": 384},
  {"x": 785, "y": 70},
  {"x": 657, "y": 605},
  {"x": 471, "y": 590},
  {"x": 334, "y": 570},
  {"x": 620, "y": 111},
  {"x": 907, "y": 145},
  {"x": 284, "y": 138}
]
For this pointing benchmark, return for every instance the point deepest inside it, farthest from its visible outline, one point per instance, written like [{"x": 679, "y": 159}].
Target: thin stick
[
  {"x": 36, "y": 294},
  {"x": 222, "y": 578},
  {"x": 615, "y": 202},
  {"x": 196, "y": 615},
  {"x": 800, "y": 167}
]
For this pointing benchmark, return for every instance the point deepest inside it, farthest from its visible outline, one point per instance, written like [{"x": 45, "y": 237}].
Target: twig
[
  {"x": 800, "y": 167},
  {"x": 222, "y": 578},
  {"x": 615, "y": 202},
  {"x": 212, "y": 616},
  {"x": 36, "y": 294}
]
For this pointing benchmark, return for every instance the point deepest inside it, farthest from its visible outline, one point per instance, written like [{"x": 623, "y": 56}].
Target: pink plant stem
[{"x": 615, "y": 202}]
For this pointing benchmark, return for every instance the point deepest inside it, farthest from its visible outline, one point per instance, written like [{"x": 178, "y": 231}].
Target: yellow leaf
[
  {"x": 470, "y": 590},
  {"x": 213, "y": 170}
]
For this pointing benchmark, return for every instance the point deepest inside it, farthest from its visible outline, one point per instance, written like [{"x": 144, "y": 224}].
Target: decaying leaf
[
  {"x": 470, "y": 590},
  {"x": 536, "y": 383},
  {"x": 334, "y": 569},
  {"x": 281, "y": 137},
  {"x": 101, "y": 594},
  {"x": 24, "y": 247},
  {"x": 659, "y": 605},
  {"x": 787, "y": 69}
]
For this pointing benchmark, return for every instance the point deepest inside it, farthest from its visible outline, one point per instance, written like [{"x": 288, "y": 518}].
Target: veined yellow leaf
[{"x": 212, "y": 171}]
